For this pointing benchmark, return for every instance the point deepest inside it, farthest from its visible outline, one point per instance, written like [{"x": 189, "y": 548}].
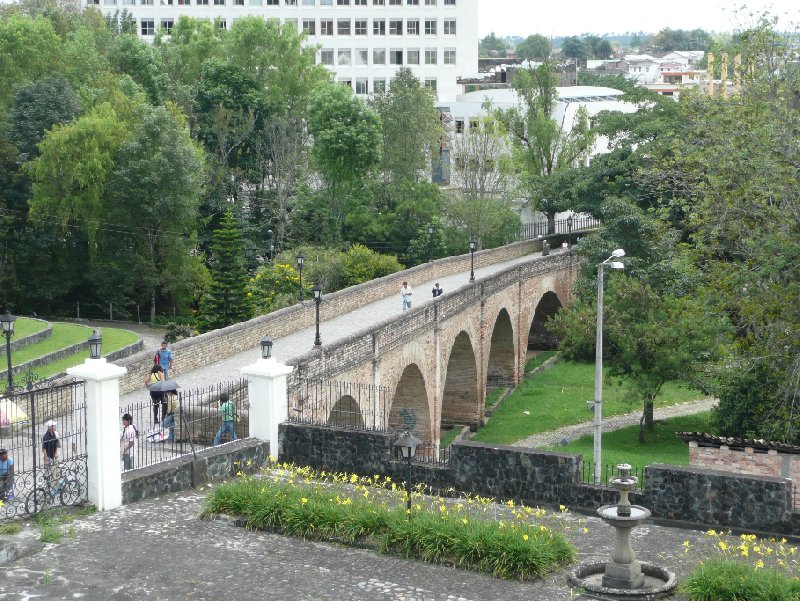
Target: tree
[
  {"x": 410, "y": 127},
  {"x": 227, "y": 300},
  {"x": 534, "y": 47},
  {"x": 598, "y": 47},
  {"x": 131, "y": 55},
  {"x": 346, "y": 145},
  {"x": 493, "y": 47},
  {"x": 573, "y": 47},
  {"x": 29, "y": 48},
  {"x": 543, "y": 146}
]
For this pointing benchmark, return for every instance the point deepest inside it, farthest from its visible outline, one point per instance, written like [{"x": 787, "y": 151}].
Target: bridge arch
[
  {"x": 346, "y": 413},
  {"x": 538, "y": 337},
  {"x": 500, "y": 370},
  {"x": 460, "y": 396},
  {"x": 410, "y": 409}
]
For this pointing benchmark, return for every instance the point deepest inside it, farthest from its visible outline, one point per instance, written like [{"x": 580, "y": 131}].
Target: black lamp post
[
  {"x": 472, "y": 246},
  {"x": 569, "y": 231},
  {"x": 95, "y": 345},
  {"x": 271, "y": 244},
  {"x": 430, "y": 243},
  {"x": 317, "y": 301},
  {"x": 266, "y": 347},
  {"x": 7, "y": 321},
  {"x": 408, "y": 444},
  {"x": 301, "y": 258}
]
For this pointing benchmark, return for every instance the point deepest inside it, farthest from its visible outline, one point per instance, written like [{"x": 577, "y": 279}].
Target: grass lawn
[
  {"x": 493, "y": 395},
  {"x": 557, "y": 397},
  {"x": 24, "y": 326},
  {"x": 448, "y": 436},
  {"x": 113, "y": 340},
  {"x": 536, "y": 361},
  {"x": 661, "y": 446}
]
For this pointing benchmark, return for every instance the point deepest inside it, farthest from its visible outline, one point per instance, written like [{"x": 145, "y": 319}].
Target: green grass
[
  {"x": 721, "y": 579},
  {"x": 661, "y": 446},
  {"x": 113, "y": 340},
  {"x": 64, "y": 335},
  {"x": 493, "y": 396},
  {"x": 10, "y": 528},
  {"x": 448, "y": 436},
  {"x": 540, "y": 358},
  {"x": 23, "y": 327},
  {"x": 557, "y": 397}
]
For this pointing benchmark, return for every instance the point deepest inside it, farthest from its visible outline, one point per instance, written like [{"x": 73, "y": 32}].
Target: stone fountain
[{"x": 624, "y": 576}]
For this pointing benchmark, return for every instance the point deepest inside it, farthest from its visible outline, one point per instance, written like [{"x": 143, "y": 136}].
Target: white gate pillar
[
  {"x": 102, "y": 430},
  {"x": 269, "y": 401}
]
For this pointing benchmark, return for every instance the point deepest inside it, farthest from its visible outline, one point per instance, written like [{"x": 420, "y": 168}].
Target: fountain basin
[
  {"x": 658, "y": 582},
  {"x": 609, "y": 514}
]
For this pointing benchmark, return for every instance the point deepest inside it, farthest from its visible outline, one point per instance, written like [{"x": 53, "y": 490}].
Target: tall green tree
[
  {"x": 534, "y": 47},
  {"x": 493, "y": 47},
  {"x": 227, "y": 300}
]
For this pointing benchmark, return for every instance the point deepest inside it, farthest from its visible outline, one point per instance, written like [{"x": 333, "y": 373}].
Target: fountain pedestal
[{"x": 624, "y": 571}]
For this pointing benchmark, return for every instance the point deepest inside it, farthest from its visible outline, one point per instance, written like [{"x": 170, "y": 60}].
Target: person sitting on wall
[{"x": 437, "y": 290}]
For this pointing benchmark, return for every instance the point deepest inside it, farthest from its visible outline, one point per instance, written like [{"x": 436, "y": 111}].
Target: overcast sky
[{"x": 524, "y": 17}]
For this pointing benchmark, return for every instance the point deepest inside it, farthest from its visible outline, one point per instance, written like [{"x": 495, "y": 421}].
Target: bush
[
  {"x": 177, "y": 332},
  {"x": 274, "y": 286},
  {"x": 728, "y": 580},
  {"x": 361, "y": 510},
  {"x": 360, "y": 264}
]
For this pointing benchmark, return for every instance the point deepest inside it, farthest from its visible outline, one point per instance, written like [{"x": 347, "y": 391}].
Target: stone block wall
[
  {"x": 211, "y": 465},
  {"x": 768, "y": 462},
  {"x": 704, "y": 497},
  {"x": 199, "y": 351}
]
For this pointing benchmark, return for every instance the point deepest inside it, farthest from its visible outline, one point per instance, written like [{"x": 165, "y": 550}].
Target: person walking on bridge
[{"x": 405, "y": 293}]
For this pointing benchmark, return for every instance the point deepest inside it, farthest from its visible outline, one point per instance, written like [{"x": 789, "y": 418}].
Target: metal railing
[
  {"x": 192, "y": 426},
  {"x": 543, "y": 228},
  {"x": 339, "y": 404},
  {"x": 608, "y": 471},
  {"x": 430, "y": 454}
]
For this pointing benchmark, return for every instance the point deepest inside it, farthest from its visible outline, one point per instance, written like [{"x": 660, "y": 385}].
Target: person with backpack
[
  {"x": 156, "y": 396},
  {"x": 164, "y": 358},
  {"x": 128, "y": 441},
  {"x": 227, "y": 411}
]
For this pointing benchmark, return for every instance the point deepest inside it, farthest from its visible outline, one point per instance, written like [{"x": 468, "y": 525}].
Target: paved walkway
[
  {"x": 332, "y": 330},
  {"x": 576, "y": 431},
  {"x": 159, "y": 550}
]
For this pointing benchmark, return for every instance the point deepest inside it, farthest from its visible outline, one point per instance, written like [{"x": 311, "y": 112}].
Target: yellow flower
[
  {"x": 759, "y": 564},
  {"x": 562, "y": 508},
  {"x": 465, "y": 521},
  {"x": 510, "y": 503},
  {"x": 304, "y": 500},
  {"x": 686, "y": 543},
  {"x": 721, "y": 544},
  {"x": 745, "y": 550},
  {"x": 711, "y": 532},
  {"x": 585, "y": 530},
  {"x": 524, "y": 537}
]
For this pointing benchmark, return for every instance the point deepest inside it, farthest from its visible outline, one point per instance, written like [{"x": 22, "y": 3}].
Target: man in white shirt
[
  {"x": 406, "y": 293},
  {"x": 128, "y": 441}
]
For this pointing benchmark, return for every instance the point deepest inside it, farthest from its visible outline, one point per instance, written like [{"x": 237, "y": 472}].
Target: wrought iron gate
[{"x": 45, "y": 475}]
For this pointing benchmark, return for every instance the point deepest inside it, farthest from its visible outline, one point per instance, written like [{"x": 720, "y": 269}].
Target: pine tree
[{"x": 226, "y": 301}]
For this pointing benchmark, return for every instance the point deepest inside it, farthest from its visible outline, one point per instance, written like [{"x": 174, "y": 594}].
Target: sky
[{"x": 524, "y": 17}]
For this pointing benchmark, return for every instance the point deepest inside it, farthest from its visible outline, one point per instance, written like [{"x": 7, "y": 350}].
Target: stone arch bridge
[{"x": 435, "y": 362}]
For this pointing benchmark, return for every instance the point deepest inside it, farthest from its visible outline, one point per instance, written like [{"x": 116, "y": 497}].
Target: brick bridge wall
[
  {"x": 440, "y": 357},
  {"x": 698, "y": 496},
  {"x": 199, "y": 351}
]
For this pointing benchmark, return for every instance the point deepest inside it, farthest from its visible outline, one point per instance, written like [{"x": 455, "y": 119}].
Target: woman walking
[{"x": 156, "y": 396}]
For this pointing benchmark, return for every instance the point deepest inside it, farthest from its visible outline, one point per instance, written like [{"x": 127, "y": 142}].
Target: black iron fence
[
  {"x": 339, "y": 405},
  {"x": 174, "y": 424},
  {"x": 609, "y": 471},
  {"x": 578, "y": 223},
  {"x": 43, "y": 430},
  {"x": 430, "y": 454}
]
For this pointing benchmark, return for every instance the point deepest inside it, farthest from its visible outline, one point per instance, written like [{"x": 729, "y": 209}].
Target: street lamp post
[
  {"x": 569, "y": 231},
  {"x": 7, "y": 321},
  {"x": 266, "y": 347},
  {"x": 300, "y": 260},
  {"x": 95, "y": 345},
  {"x": 430, "y": 243},
  {"x": 408, "y": 444},
  {"x": 472, "y": 246},
  {"x": 271, "y": 244},
  {"x": 598, "y": 363},
  {"x": 317, "y": 301}
]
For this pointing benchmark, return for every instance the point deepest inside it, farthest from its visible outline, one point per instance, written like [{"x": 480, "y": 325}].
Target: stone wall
[
  {"x": 698, "y": 496},
  {"x": 27, "y": 340},
  {"x": 202, "y": 350},
  {"x": 767, "y": 462},
  {"x": 211, "y": 465}
]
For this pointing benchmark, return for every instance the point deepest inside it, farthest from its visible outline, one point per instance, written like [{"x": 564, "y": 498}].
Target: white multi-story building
[{"x": 363, "y": 42}]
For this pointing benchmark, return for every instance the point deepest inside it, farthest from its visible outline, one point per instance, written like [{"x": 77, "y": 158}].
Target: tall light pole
[
  {"x": 270, "y": 244},
  {"x": 430, "y": 243},
  {"x": 598, "y": 362},
  {"x": 7, "y": 321},
  {"x": 569, "y": 231},
  {"x": 473, "y": 244},
  {"x": 300, "y": 260},
  {"x": 317, "y": 301}
]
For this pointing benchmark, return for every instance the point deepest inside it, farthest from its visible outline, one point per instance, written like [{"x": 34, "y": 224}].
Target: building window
[
  {"x": 450, "y": 57},
  {"x": 219, "y": 2},
  {"x": 250, "y": 2},
  {"x": 308, "y": 2},
  {"x": 346, "y": 82},
  {"x": 430, "y": 26},
  {"x": 310, "y": 26},
  {"x": 395, "y": 2},
  {"x": 412, "y": 26},
  {"x": 360, "y": 27},
  {"x": 148, "y": 27},
  {"x": 473, "y": 124},
  {"x": 378, "y": 2},
  {"x": 362, "y": 57},
  {"x": 344, "y": 56},
  {"x": 412, "y": 57},
  {"x": 379, "y": 56},
  {"x": 396, "y": 27},
  {"x": 128, "y": 2},
  {"x": 273, "y": 2},
  {"x": 342, "y": 2},
  {"x": 431, "y": 83},
  {"x": 235, "y": 2},
  {"x": 326, "y": 2},
  {"x": 361, "y": 86},
  {"x": 412, "y": 2},
  {"x": 378, "y": 27},
  {"x": 360, "y": 2},
  {"x": 343, "y": 27},
  {"x": 291, "y": 2},
  {"x": 449, "y": 27},
  {"x": 430, "y": 56},
  {"x": 113, "y": 2},
  {"x": 430, "y": 2},
  {"x": 459, "y": 126},
  {"x": 326, "y": 27},
  {"x": 292, "y": 22},
  {"x": 379, "y": 86},
  {"x": 92, "y": 2},
  {"x": 166, "y": 25},
  {"x": 326, "y": 57},
  {"x": 395, "y": 57},
  {"x": 147, "y": 2},
  {"x": 449, "y": 2}
]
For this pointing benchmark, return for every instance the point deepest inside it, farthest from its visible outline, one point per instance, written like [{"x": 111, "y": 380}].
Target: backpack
[{"x": 155, "y": 359}]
